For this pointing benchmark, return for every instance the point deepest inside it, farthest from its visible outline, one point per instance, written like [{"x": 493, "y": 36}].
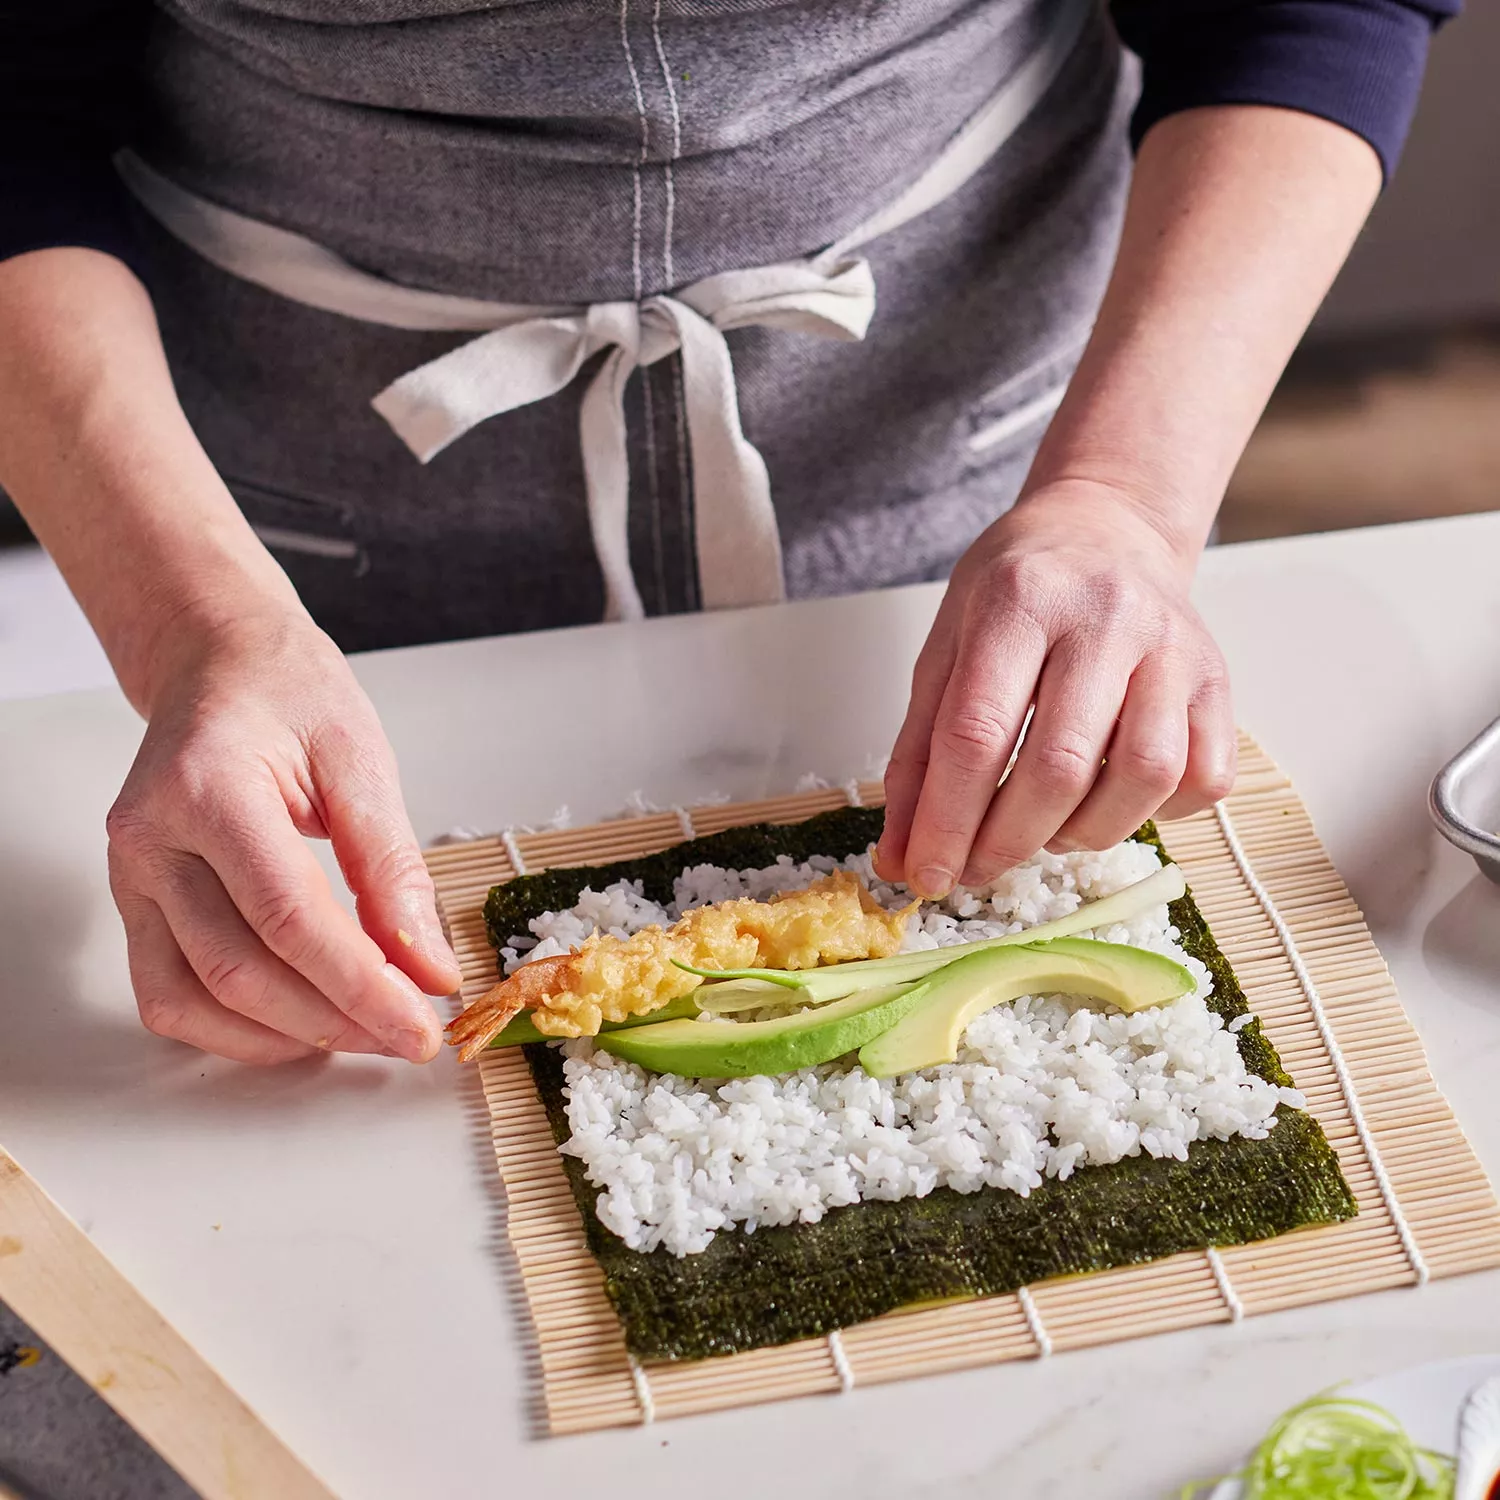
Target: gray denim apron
[{"x": 601, "y": 174}]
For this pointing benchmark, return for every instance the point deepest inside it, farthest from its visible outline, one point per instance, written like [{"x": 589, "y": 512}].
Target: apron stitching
[
  {"x": 640, "y": 161},
  {"x": 1070, "y": 343},
  {"x": 635, "y": 255},
  {"x": 655, "y": 488},
  {"x": 1017, "y": 420},
  {"x": 669, "y": 275},
  {"x": 689, "y": 524},
  {"x": 671, "y": 192},
  {"x": 289, "y": 539}
]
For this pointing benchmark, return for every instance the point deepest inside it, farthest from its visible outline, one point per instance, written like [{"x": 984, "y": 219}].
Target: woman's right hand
[
  {"x": 257, "y": 732},
  {"x": 259, "y": 737}
]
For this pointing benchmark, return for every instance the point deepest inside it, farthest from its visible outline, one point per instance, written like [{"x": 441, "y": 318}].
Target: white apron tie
[
  {"x": 526, "y": 353},
  {"x": 739, "y": 548}
]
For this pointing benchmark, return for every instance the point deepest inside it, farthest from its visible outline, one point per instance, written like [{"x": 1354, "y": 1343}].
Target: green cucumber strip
[
  {"x": 786, "y": 978},
  {"x": 522, "y": 1029},
  {"x": 737, "y": 995}
]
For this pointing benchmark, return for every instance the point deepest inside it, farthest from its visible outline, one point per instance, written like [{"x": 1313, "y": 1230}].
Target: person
[{"x": 488, "y": 317}]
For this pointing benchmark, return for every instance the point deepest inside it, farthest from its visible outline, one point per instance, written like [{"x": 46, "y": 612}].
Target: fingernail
[
  {"x": 933, "y": 882},
  {"x": 410, "y": 1044},
  {"x": 435, "y": 947},
  {"x": 415, "y": 1035},
  {"x": 423, "y": 933},
  {"x": 361, "y": 1042},
  {"x": 418, "y": 1046}
]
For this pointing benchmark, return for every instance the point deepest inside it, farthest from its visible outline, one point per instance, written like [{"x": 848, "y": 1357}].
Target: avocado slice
[
  {"x": 1128, "y": 978},
  {"x": 721, "y": 1049},
  {"x": 745, "y": 989},
  {"x": 522, "y": 1029}
]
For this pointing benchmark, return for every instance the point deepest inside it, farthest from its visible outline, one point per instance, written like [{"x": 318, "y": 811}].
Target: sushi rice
[{"x": 1041, "y": 1088}]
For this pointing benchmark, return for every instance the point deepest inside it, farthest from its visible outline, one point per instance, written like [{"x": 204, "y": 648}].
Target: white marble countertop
[{"x": 327, "y": 1236}]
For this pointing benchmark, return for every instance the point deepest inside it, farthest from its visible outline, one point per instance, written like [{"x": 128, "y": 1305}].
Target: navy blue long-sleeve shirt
[{"x": 67, "y": 74}]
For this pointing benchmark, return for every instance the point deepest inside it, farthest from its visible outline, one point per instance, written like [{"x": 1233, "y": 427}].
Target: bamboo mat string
[
  {"x": 841, "y": 1364},
  {"x": 1330, "y": 1041},
  {"x": 513, "y": 852},
  {"x": 1034, "y": 1322},
  {"x": 685, "y": 822},
  {"x": 1226, "y": 1287},
  {"x": 851, "y": 790},
  {"x": 642, "y": 1391}
]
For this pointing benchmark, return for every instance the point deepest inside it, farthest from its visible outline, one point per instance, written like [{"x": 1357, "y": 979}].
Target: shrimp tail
[{"x": 527, "y": 989}]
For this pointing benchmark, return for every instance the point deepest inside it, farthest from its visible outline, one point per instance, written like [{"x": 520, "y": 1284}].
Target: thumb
[{"x": 377, "y": 851}]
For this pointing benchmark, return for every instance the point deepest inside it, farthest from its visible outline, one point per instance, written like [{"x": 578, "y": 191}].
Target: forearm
[
  {"x": 1238, "y": 220},
  {"x": 96, "y": 452}
]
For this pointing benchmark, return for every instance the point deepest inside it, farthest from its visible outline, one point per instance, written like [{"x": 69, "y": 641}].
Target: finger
[
  {"x": 1144, "y": 764},
  {"x": 238, "y": 970},
  {"x": 1213, "y": 748},
  {"x": 272, "y": 877},
  {"x": 173, "y": 1003},
  {"x": 382, "y": 863},
  {"x": 908, "y": 763},
  {"x": 1077, "y": 702},
  {"x": 979, "y": 718}
]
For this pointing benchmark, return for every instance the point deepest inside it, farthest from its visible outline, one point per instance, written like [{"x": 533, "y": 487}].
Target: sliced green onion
[{"x": 1338, "y": 1448}]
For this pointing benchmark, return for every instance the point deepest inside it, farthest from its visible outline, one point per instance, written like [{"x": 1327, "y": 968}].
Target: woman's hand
[
  {"x": 258, "y": 733},
  {"x": 259, "y": 736},
  {"x": 1076, "y": 603},
  {"x": 1077, "y": 600}
]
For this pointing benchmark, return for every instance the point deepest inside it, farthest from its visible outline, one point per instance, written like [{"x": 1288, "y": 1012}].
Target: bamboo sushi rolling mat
[{"x": 1309, "y": 969}]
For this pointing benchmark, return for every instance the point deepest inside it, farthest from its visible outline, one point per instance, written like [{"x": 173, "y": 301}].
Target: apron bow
[{"x": 532, "y": 358}]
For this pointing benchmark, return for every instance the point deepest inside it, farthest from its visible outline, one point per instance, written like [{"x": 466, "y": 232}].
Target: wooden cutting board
[{"x": 57, "y": 1282}]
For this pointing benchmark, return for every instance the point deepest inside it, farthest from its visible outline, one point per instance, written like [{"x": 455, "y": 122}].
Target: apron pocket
[
  {"x": 1015, "y": 413},
  {"x": 296, "y": 526}
]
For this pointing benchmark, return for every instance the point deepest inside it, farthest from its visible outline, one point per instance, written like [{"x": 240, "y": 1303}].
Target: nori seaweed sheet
[{"x": 802, "y": 1280}]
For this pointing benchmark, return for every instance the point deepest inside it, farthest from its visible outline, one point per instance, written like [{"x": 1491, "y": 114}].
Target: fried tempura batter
[{"x": 834, "y": 920}]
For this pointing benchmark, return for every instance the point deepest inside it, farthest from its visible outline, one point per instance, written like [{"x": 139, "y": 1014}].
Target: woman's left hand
[{"x": 1075, "y": 602}]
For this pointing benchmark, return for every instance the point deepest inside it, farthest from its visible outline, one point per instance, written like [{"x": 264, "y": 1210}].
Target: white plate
[{"x": 1425, "y": 1400}]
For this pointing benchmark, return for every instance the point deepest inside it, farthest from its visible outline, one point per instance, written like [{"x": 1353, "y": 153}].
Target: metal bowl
[{"x": 1465, "y": 801}]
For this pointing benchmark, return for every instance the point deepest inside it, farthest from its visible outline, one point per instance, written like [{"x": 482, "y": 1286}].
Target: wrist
[
  {"x": 98, "y": 455},
  {"x": 1172, "y": 530},
  {"x": 197, "y": 638},
  {"x": 151, "y": 542}
]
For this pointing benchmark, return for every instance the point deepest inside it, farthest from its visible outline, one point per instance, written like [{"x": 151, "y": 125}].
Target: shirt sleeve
[
  {"x": 68, "y": 74},
  {"x": 1358, "y": 63}
]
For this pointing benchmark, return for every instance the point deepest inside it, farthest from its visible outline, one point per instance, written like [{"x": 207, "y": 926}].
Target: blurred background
[
  {"x": 1391, "y": 408},
  {"x": 1389, "y": 411}
]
